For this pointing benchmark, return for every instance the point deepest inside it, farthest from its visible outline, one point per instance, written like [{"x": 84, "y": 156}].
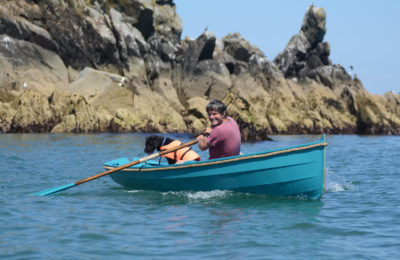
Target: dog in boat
[{"x": 159, "y": 143}]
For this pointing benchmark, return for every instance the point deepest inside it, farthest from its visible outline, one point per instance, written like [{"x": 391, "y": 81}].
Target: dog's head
[{"x": 153, "y": 142}]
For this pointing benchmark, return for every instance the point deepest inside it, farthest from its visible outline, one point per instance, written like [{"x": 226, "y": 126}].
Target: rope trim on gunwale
[{"x": 182, "y": 166}]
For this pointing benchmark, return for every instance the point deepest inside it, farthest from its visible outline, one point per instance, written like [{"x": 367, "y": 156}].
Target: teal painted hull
[{"x": 293, "y": 171}]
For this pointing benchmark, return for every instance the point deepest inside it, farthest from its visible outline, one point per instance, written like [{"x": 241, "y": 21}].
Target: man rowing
[{"x": 223, "y": 138}]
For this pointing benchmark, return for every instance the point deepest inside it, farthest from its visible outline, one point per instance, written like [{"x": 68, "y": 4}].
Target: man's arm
[
  {"x": 202, "y": 139},
  {"x": 202, "y": 142}
]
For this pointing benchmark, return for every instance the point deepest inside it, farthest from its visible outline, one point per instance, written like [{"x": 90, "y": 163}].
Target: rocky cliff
[{"x": 121, "y": 66}]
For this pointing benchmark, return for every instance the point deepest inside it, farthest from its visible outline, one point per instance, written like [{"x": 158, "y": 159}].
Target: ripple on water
[{"x": 358, "y": 216}]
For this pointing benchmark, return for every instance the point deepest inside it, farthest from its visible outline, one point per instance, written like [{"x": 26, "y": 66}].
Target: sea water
[{"x": 358, "y": 217}]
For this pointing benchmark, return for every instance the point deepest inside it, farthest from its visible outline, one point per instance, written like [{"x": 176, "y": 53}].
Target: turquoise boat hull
[{"x": 292, "y": 171}]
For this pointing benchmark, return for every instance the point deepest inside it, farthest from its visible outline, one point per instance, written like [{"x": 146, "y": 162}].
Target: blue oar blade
[{"x": 53, "y": 190}]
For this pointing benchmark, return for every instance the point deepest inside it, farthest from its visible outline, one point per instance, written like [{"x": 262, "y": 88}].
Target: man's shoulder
[
  {"x": 226, "y": 126},
  {"x": 232, "y": 121}
]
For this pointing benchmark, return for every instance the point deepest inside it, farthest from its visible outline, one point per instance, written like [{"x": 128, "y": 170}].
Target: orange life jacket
[{"x": 185, "y": 154}]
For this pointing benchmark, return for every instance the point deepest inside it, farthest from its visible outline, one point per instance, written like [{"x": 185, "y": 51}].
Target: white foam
[
  {"x": 208, "y": 194},
  {"x": 133, "y": 191},
  {"x": 199, "y": 195},
  {"x": 336, "y": 183},
  {"x": 334, "y": 187},
  {"x": 193, "y": 195}
]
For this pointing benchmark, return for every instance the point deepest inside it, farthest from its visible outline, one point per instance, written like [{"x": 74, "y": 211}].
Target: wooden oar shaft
[{"x": 152, "y": 156}]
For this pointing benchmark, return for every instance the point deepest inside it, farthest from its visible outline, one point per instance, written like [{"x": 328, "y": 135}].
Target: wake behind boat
[{"x": 292, "y": 171}]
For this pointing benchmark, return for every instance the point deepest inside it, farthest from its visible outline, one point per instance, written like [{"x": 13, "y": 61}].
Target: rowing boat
[{"x": 293, "y": 171}]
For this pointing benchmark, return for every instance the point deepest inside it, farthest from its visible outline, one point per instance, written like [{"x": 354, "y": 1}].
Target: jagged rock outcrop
[
  {"x": 307, "y": 56},
  {"x": 203, "y": 75},
  {"x": 120, "y": 66},
  {"x": 237, "y": 53}
]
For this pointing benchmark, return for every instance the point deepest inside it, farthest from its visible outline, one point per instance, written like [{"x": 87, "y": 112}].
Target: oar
[{"x": 152, "y": 156}]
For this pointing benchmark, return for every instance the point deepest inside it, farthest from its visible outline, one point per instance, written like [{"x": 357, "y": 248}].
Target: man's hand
[
  {"x": 202, "y": 142},
  {"x": 207, "y": 131}
]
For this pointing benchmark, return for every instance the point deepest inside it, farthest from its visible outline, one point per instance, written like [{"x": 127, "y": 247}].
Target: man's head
[{"x": 216, "y": 112}]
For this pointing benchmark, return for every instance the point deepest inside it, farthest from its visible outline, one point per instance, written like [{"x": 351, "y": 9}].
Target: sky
[{"x": 364, "y": 34}]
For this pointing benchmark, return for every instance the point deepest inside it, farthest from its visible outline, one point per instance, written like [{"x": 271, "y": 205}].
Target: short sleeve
[{"x": 214, "y": 137}]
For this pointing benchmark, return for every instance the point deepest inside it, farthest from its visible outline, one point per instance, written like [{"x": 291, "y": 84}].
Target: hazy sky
[{"x": 364, "y": 34}]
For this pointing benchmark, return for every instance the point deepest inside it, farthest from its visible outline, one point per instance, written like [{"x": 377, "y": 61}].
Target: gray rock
[
  {"x": 306, "y": 55},
  {"x": 200, "y": 49},
  {"x": 313, "y": 25},
  {"x": 20, "y": 28},
  {"x": 238, "y": 53},
  {"x": 239, "y": 48},
  {"x": 120, "y": 66}
]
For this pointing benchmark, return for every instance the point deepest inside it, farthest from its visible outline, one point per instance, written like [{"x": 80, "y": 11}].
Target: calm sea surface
[{"x": 358, "y": 217}]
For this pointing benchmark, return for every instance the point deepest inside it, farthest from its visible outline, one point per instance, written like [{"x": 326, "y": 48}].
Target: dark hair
[{"x": 216, "y": 105}]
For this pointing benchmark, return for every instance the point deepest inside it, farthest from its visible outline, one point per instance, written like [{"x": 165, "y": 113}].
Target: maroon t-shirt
[{"x": 224, "y": 140}]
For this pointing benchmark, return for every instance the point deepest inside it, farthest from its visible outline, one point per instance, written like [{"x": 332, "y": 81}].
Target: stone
[
  {"x": 33, "y": 114},
  {"x": 120, "y": 66}
]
